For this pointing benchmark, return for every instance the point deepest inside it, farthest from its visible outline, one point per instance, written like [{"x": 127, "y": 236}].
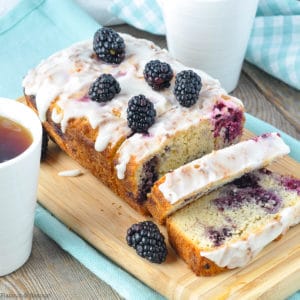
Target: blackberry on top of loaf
[{"x": 127, "y": 111}]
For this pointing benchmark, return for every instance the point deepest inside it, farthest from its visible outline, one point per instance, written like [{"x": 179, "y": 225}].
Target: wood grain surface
[
  {"x": 284, "y": 98},
  {"x": 55, "y": 274},
  {"x": 101, "y": 218}
]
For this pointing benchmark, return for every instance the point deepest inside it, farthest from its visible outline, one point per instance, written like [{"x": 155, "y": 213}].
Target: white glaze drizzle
[
  {"x": 66, "y": 76},
  {"x": 221, "y": 166}
]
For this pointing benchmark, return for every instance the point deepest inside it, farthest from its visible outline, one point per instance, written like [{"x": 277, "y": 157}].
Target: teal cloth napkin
[
  {"x": 274, "y": 44},
  {"x": 124, "y": 283},
  {"x": 32, "y": 31}
]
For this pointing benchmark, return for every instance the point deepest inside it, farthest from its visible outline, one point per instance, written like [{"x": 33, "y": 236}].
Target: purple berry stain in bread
[
  {"x": 247, "y": 180},
  {"x": 227, "y": 121},
  {"x": 149, "y": 176},
  {"x": 109, "y": 46},
  {"x": 232, "y": 199},
  {"x": 267, "y": 200},
  {"x": 235, "y": 198},
  {"x": 291, "y": 184},
  {"x": 187, "y": 87},
  {"x": 218, "y": 236},
  {"x": 158, "y": 74},
  {"x": 140, "y": 114}
]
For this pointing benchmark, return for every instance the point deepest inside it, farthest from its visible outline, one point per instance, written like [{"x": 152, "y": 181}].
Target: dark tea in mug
[{"x": 14, "y": 139}]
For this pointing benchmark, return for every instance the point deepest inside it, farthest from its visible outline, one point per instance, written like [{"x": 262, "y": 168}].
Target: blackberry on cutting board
[
  {"x": 140, "y": 114},
  {"x": 148, "y": 242},
  {"x": 109, "y": 45},
  {"x": 187, "y": 87},
  {"x": 104, "y": 88},
  {"x": 158, "y": 74}
]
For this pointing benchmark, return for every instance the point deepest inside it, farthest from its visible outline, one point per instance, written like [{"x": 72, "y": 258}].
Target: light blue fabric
[
  {"x": 142, "y": 14},
  {"x": 32, "y": 31},
  {"x": 125, "y": 284},
  {"x": 274, "y": 44}
]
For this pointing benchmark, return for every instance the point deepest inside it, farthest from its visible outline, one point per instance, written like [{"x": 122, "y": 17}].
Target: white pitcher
[{"x": 210, "y": 35}]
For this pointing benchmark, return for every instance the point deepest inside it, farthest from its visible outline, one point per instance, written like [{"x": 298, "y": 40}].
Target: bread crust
[
  {"x": 156, "y": 203},
  {"x": 190, "y": 253},
  {"x": 128, "y": 189},
  {"x": 78, "y": 142}
]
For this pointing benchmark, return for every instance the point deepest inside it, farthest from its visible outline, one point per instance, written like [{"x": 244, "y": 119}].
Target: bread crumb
[{"x": 70, "y": 173}]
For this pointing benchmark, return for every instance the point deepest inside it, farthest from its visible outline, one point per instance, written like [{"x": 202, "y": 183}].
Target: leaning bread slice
[
  {"x": 227, "y": 228},
  {"x": 189, "y": 182}
]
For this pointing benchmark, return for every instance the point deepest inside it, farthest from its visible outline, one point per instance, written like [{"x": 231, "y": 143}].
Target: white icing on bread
[
  {"x": 221, "y": 166},
  {"x": 67, "y": 75},
  {"x": 65, "y": 78}
]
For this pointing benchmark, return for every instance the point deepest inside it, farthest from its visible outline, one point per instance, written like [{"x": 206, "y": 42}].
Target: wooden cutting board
[{"x": 90, "y": 209}]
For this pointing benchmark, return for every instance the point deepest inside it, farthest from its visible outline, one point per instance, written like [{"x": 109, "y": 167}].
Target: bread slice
[
  {"x": 190, "y": 181},
  {"x": 97, "y": 135},
  {"x": 227, "y": 228}
]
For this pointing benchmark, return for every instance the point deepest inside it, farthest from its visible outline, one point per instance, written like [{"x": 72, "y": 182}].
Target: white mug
[
  {"x": 210, "y": 35},
  {"x": 18, "y": 190}
]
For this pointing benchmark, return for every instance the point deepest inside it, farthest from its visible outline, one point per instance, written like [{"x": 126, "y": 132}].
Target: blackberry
[
  {"x": 104, "y": 88},
  {"x": 247, "y": 180},
  {"x": 148, "y": 242},
  {"x": 158, "y": 74},
  {"x": 140, "y": 114},
  {"x": 187, "y": 87},
  {"x": 45, "y": 140},
  {"x": 109, "y": 45}
]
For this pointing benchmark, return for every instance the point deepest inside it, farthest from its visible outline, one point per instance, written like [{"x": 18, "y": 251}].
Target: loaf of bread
[
  {"x": 97, "y": 135},
  {"x": 136, "y": 118},
  {"x": 194, "y": 179},
  {"x": 228, "y": 227}
]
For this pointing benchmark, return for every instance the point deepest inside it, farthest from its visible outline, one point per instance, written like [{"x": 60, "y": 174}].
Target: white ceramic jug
[{"x": 210, "y": 35}]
